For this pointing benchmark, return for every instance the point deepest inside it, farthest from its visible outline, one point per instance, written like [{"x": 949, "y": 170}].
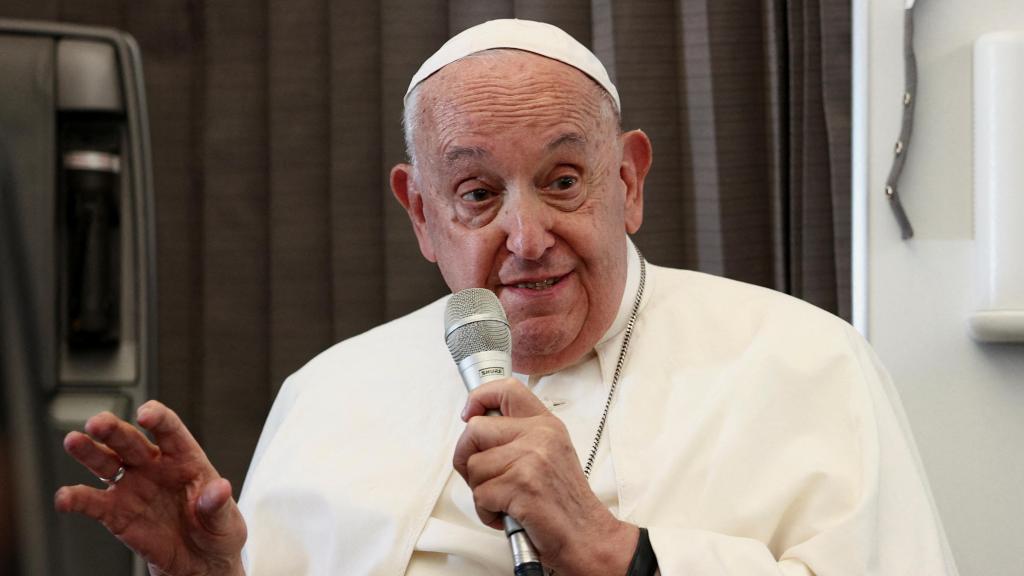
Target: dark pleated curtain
[{"x": 274, "y": 124}]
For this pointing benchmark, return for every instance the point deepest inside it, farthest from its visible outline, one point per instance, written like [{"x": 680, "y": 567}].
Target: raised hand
[
  {"x": 523, "y": 464},
  {"x": 169, "y": 505}
]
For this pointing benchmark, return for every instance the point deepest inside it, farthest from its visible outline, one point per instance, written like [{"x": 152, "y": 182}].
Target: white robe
[{"x": 751, "y": 434}]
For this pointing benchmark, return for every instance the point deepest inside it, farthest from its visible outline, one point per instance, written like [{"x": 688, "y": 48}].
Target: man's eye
[
  {"x": 478, "y": 195},
  {"x": 565, "y": 182}
]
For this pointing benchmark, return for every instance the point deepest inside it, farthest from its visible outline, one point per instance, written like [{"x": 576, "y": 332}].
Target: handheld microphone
[{"x": 478, "y": 337}]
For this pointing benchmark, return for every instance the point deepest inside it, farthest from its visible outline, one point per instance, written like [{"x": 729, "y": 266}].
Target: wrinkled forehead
[
  {"x": 494, "y": 93},
  {"x": 511, "y": 74}
]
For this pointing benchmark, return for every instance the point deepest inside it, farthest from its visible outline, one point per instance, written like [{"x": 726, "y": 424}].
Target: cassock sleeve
[
  {"x": 282, "y": 405},
  {"x": 881, "y": 521}
]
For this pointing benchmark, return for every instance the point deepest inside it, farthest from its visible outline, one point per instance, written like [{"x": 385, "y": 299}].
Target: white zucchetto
[{"x": 537, "y": 37}]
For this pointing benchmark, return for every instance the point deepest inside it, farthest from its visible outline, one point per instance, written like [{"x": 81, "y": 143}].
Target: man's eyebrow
[
  {"x": 457, "y": 153},
  {"x": 574, "y": 139}
]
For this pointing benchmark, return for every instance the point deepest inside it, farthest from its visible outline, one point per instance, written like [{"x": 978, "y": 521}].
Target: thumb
[{"x": 216, "y": 509}]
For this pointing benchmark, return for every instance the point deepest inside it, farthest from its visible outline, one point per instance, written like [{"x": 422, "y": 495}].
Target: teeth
[{"x": 538, "y": 285}]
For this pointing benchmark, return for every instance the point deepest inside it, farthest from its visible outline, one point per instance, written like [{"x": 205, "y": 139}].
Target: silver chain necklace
[
  {"x": 618, "y": 373},
  {"x": 618, "y": 366}
]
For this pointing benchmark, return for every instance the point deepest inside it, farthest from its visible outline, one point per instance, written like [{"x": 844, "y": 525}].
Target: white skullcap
[{"x": 537, "y": 37}]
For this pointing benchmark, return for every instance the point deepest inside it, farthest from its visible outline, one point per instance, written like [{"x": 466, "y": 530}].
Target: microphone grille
[{"x": 475, "y": 322}]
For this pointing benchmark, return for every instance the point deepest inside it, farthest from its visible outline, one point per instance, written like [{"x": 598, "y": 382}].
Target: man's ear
[
  {"x": 636, "y": 161},
  {"x": 403, "y": 186}
]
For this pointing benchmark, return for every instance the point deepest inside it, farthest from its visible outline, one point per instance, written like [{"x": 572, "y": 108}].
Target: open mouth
[{"x": 542, "y": 285}]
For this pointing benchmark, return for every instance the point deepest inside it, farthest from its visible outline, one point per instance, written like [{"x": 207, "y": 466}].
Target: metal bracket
[{"x": 907, "y": 129}]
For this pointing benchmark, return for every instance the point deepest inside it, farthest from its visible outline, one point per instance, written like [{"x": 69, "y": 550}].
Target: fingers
[
  {"x": 131, "y": 445},
  {"x": 527, "y": 467},
  {"x": 508, "y": 396},
  {"x": 100, "y": 460},
  {"x": 483, "y": 433},
  {"x": 490, "y": 500},
  {"x": 492, "y": 473},
  {"x": 212, "y": 501},
  {"x": 218, "y": 512},
  {"x": 483, "y": 466},
  {"x": 86, "y": 500},
  {"x": 509, "y": 463},
  {"x": 171, "y": 434}
]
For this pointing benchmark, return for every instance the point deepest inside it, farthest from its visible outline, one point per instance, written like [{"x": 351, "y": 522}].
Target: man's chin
[{"x": 536, "y": 350}]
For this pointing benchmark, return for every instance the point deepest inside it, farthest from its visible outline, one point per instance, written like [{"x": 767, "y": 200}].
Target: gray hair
[{"x": 410, "y": 120}]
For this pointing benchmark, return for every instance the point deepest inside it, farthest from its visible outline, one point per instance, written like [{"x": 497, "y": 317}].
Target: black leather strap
[{"x": 644, "y": 562}]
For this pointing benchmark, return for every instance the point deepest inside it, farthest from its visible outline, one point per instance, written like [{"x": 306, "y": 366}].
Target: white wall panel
[{"x": 964, "y": 400}]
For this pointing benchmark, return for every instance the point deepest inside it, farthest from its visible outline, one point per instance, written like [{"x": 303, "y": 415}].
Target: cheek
[
  {"x": 466, "y": 258},
  {"x": 594, "y": 232}
]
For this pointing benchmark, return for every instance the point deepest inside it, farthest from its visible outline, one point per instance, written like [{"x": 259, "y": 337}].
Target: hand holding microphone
[
  {"x": 524, "y": 463},
  {"x": 478, "y": 337}
]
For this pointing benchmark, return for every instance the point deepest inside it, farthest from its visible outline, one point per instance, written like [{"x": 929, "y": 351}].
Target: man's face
[{"x": 522, "y": 186}]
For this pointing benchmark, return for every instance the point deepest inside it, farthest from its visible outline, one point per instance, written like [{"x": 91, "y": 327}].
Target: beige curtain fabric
[{"x": 274, "y": 124}]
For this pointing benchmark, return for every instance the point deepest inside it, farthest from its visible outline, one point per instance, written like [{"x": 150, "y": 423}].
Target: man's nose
[{"x": 527, "y": 221}]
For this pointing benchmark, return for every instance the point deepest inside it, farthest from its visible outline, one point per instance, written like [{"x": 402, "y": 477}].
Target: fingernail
[
  {"x": 204, "y": 501},
  {"x": 465, "y": 410}
]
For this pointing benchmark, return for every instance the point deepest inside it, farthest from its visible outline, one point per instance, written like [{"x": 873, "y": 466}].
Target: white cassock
[{"x": 751, "y": 433}]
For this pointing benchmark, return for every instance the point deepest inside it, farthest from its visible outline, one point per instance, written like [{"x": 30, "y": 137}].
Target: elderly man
[{"x": 668, "y": 418}]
